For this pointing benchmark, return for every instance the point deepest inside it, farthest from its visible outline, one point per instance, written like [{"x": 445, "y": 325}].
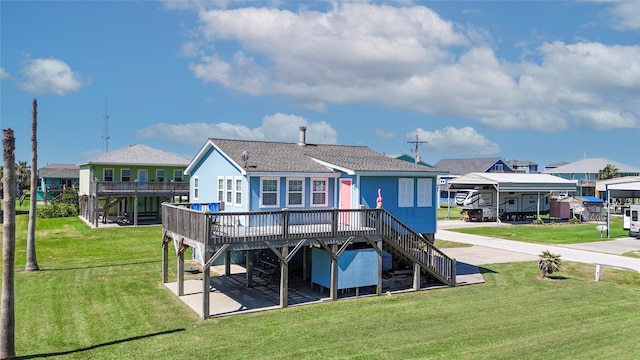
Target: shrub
[
  {"x": 65, "y": 206},
  {"x": 549, "y": 263},
  {"x": 537, "y": 221},
  {"x": 573, "y": 221}
]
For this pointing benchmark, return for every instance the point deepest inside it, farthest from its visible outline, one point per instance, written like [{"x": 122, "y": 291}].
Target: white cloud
[
  {"x": 626, "y": 15},
  {"x": 277, "y": 127},
  {"x": 51, "y": 76},
  {"x": 409, "y": 57},
  {"x": 464, "y": 141},
  {"x": 4, "y": 74}
]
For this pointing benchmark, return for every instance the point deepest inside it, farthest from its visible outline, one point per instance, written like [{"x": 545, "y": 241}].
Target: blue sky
[{"x": 543, "y": 81}]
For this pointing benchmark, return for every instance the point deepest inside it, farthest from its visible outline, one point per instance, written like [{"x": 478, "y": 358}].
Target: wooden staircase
[
  {"x": 109, "y": 203},
  {"x": 415, "y": 248}
]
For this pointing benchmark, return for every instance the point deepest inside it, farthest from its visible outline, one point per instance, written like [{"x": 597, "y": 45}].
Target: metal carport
[
  {"x": 513, "y": 182},
  {"x": 629, "y": 189}
]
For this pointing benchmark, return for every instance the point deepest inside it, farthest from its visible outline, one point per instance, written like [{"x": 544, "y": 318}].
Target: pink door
[{"x": 345, "y": 200}]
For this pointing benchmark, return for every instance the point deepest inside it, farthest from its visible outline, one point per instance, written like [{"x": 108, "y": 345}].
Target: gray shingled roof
[
  {"x": 592, "y": 166},
  {"x": 60, "y": 171},
  {"x": 291, "y": 157},
  {"x": 465, "y": 166},
  {"x": 139, "y": 154}
]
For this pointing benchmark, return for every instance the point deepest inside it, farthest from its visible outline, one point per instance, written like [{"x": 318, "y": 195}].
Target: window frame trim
[
  {"x": 302, "y": 192},
  {"x": 312, "y": 192},
  {"x": 277, "y": 192}
]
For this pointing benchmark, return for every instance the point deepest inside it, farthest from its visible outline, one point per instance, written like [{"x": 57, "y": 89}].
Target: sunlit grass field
[{"x": 99, "y": 296}]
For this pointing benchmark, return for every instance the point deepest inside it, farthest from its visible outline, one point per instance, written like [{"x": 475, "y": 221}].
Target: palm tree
[
  {"x": 609, "y": 172},
  {"x": 32, "y": 264},
  {"x": 549, "y": 263},
  {"x": 7, "y": 300},
  {"x": 22, "y": 174}
]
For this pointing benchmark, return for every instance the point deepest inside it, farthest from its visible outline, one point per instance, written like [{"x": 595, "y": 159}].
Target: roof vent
[{"x": 303, "y": 135}]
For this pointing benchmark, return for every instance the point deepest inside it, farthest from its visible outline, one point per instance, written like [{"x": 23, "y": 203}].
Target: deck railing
[
  {"x": 218, "y": 228},
  {"x": 249, "y": 227},
  {"x": 104, "y": 187},
  {"x": 417, "y": 248}
]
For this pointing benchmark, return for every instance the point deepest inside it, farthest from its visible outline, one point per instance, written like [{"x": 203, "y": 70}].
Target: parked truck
[
  {"x": 480, "y": 204},
  {"x": 634, "y": 222}
]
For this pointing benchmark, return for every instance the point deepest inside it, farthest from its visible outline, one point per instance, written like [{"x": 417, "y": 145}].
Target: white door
[
  {"x": 143, "y": 179},
  {"x": 143, "y": 175}
]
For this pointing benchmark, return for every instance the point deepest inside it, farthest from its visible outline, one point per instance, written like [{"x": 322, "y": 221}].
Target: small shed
[{"x": 585, "y": 208}]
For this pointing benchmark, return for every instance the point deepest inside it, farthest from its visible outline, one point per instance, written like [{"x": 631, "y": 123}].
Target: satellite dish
[{"x": 245, "y": 157}]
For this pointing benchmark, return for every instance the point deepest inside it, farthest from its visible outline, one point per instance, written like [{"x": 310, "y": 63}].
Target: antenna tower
[
  {"x": 416, "y": 144},
  {"x": 105, "y": 130}
]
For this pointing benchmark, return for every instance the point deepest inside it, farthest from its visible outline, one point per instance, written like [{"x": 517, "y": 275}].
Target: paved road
[{"x": 603, "y": 253}]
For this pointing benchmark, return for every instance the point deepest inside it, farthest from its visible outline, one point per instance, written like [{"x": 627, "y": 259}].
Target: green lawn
[
  {"x": 453, "y": 214},
  {"x": 550, "y": 234},
  {"x": 99, "y": 296}
]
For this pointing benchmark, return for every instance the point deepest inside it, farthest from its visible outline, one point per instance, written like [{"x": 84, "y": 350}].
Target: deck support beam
[
  {"x": 181, "y": 272},
  {"x": 227, "y": 263},
  {"x": 249, "y": 267},
  {"x": 206, "y": 279},
  {"x": 284, "y": 279},
  {"x": 135, "y": 209},
  {"x": 333, "y": 291},
  {"x": 165, "y": 256},
  {"x": 206, "y": 291}
]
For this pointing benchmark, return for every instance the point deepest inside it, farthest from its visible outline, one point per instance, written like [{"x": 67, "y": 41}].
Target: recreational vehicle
[
  {"x": 634, "y": 224},
  {"x": 481, "y": 204},
  {"x": 626, "y": 218}
]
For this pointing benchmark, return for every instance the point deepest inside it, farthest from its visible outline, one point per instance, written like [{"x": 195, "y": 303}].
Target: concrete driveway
[{"x": 487, "y": 250}]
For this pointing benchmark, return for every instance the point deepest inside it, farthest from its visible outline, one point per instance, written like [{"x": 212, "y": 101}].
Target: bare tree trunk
[
  {"x": 32, "y": 264},
  {"x": 7, "y": 308}
]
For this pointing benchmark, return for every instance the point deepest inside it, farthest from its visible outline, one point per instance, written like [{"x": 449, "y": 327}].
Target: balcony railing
[
  {"x": 132, "y": 187},
  {"x": 214, "y": 229}
]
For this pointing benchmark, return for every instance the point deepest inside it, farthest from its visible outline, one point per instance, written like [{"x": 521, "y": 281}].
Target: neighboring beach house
[
  {"x": 458, "y": 167},
  {"x": 586, "y": 172},
  {"x": 527, "y": 167},
  {"x": 259, "y": 176},
  {"x": 54, "y": 178},
  {"x": 129, "y": 184}
]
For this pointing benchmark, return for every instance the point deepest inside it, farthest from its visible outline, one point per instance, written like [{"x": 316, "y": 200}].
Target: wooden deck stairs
[
  {"x": 403, "y": 242},
  {"x": 109, "y": 203}
]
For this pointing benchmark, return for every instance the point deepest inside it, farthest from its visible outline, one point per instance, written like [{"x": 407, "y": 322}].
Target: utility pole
[
  {"x": 416, "y": 144},
  {"x": 105, "y": 130}
]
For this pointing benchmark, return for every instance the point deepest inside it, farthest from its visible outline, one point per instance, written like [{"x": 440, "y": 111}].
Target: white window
[
  {"x": 125, "y": 175},
  {"x": 319, "y": 192},
  {"x": 229, "y": 190},
  {"x": 238, "y": 191},
  {"x": 195, "y": 187},
  {"x": 220, "y": 189},
  {"x": 499, "y": 167},
  {"x": 160, "y": 174},
  {"x": 107, "y": 175},
  {"x": 269, "y": 192},
  {"x": 425, "y": 197},
  {"x": 405, "y": 192},
  {"x": 295, "y": 192},
  {"x": 177, "y": 175}
]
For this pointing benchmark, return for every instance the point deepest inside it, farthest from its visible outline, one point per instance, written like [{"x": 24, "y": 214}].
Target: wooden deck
[
  {"x": 131, "y": 188},
  {"x": 216, "y": 234}
]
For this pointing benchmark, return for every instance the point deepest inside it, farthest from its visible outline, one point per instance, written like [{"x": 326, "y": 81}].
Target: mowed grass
[
  {"x": 99, "y": 296},
  {"x": 562, "y": 233}
]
